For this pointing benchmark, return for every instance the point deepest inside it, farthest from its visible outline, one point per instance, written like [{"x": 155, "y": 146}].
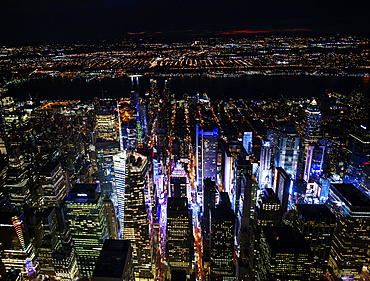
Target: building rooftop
[
  {"x": 285, "y": 240},
  {"x": 352, "y": 196},
  {"x": 177, "y": 204},
  {"x": 313, "y": 211},
  {"x": 113, "y": 259},
  {"x": 84, "y": 193}
]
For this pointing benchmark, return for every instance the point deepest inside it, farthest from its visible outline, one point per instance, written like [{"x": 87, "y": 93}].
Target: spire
[{"x": 119, "y": 128}]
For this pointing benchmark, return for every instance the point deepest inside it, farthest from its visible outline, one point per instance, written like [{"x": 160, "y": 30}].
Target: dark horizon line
[{"x": 190, "y": 33}]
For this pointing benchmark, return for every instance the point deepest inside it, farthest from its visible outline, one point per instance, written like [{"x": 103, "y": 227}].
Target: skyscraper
[
  {"x": 265, "y": 177},
  {"x": 17, "y": 250},
  {"x": 284, "y": 255},
  {"x": 351, "y": 248},
  {"x": 206, "y": 156},
  {"x": 313, "y": 123},
  {"x": 288, "y": 150},
  {"x": 53, "y": 185},
  {"x": 317, "y": 224},
  {"x": 281, "y": 185},
  {"x": 247, "y": 142},
  {"x": 85, "y": 217},
  {"x": 314, "y": 161},
  {"x": 180, "y": 244},
  {"x": 104, "y": 155},
  {"x": 106, "y": 125},
  {"x": 222, "y": 232},
  {"x": 114, "y": 262},
  {"x": 268, "y": 210},
  {"x": 131, "y": 187}
]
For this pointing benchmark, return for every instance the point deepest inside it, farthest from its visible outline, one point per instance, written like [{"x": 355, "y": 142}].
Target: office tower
[
  {"x": 131, "y": 187},
  {"x": 106, "y": 125},
  {"x": 104, "y": 151},
  {"x": 284, "y": 255},
  {"x": 268, "y": 210},
  {"x": 317, "y": 224},
  {"x": 282, "y": 185},
  {"x": 314, "y": 162},
  {"x": 265, "y": 177},
  {"x": 114, "y": 262},
  {"x": 247, "y": 142},
  {"x": 85, "y": 218},
  {"x": 180, "y": 243},
  {"x": 17, "y": 250},
  {"x": 179, "y": 185},
  {"x": 110, "y": 216},
  {"x": 222, "y": 234},
  {"x": 313, "y": 123},
  {"x": 287, "y": 152},
  {"x": 350, "y": 248},
  {"x": 53, "y": 185},
  {"x": 55, "y": 254},
  {"x": 16, "y": 184},
  {"x": 206, "y": 156},
  {"x": 228, "y": 171},
  {"x": 209, "y": 202},
  {"x": 248, "y": 200}
]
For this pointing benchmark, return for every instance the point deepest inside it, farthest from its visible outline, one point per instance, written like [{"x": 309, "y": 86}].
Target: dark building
[
  {"x": 209, "y": 201},
  {"x": 317, "y": 224},
  {"x": 284, "y": 255},
  {"x": 114, "y": 262},
  {"x": 351, "y": 248},
  {"x": 281, "y": 185}
]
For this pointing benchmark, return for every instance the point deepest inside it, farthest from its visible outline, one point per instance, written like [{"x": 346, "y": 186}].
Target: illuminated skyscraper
[
  {"x": 313, "y": 123},
  {"x": 247, "y": 142},
  {"x": 206, "y": 156},
  {"x": 265, "y": 164},
  {"x": 180, "y": 244},
  {"x": 287, "y": 153},
  {"x": 17, "y": 251},
  {"x": 317, "y": 225},
  {"x": 104, "y": 156},
  {"x": 17, "y": 182},
  {"x": 106, "y": 125},
  {"x": 85, "y": 218},
  {"x": 222, "y": 232},
  {"x": 179, "y": 184},
  {"x": 53, "y": 185},
  {"x": 350, "y": 249},
  {"x": 314, "y": 161},
  {"x": 268, "y": 210},
  {"x": 131, "y": 186}
]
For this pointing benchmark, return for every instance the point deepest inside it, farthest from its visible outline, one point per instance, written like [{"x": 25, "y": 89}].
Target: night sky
[{"x": 36, "y": 21}]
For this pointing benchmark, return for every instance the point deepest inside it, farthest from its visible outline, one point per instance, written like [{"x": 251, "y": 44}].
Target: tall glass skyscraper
[
  {"x": 85, "y": 217},
  {"x": 288, "y": 150},
  {"x": 206, "y": 156},
  {"x": 131, "y": 187}
]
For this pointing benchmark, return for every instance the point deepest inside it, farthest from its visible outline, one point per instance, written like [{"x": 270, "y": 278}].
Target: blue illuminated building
[{"x": 206, "y": 156}]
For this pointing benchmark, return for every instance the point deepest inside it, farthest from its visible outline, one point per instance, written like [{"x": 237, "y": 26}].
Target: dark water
[{"x": 254, "y": 87}]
